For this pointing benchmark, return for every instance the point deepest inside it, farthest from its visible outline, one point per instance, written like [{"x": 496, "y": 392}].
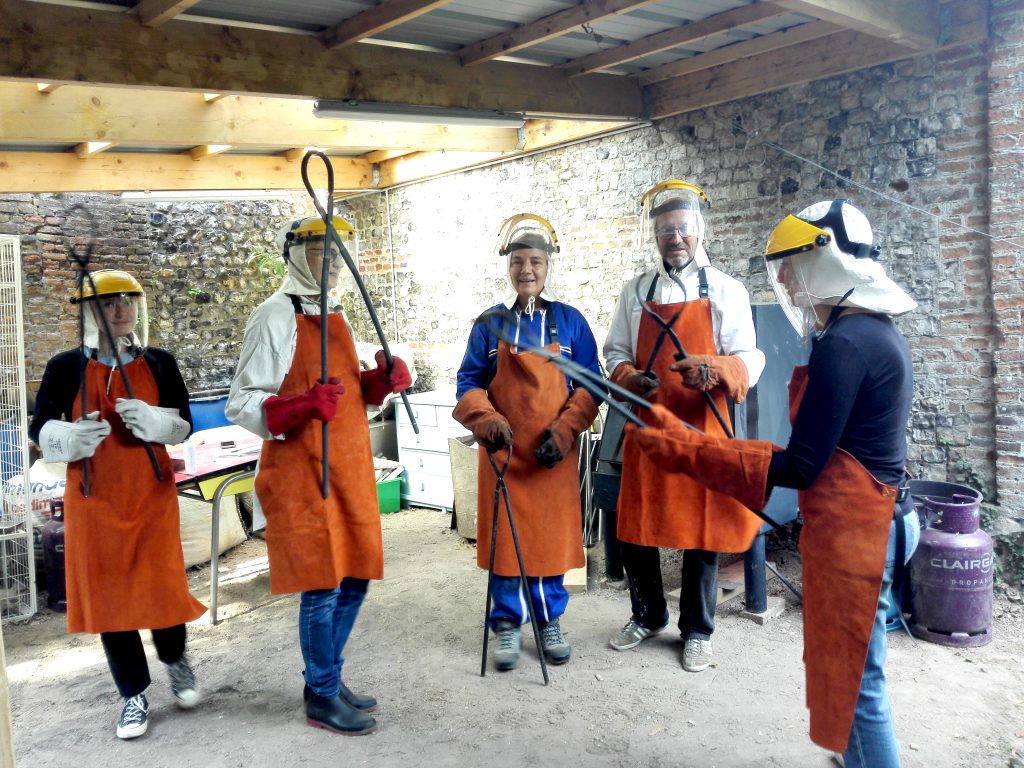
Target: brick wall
[{"x": 1006, "y": 118}]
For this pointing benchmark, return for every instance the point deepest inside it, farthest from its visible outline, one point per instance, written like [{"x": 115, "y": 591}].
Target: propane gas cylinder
[{"x": 951, "y": 571}]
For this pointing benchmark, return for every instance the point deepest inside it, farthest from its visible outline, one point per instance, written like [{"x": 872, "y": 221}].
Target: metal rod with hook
[{"x": 333, "y": 236}]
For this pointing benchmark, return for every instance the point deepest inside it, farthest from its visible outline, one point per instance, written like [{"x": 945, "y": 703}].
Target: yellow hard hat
[
  {"x": 108, "y": 282},
  {"x": 792, "y": 236},
  {"x": 314, "y": 228}
]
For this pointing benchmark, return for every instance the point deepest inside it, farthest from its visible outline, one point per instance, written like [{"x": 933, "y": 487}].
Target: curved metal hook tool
[{"x": 325, "y": 214}]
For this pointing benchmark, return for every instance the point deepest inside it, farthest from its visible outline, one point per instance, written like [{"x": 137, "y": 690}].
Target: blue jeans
[
  {"x": 872, "y": 741},
  {"x": 326, "y": 618},
  {"x": 509, "y": 603}
]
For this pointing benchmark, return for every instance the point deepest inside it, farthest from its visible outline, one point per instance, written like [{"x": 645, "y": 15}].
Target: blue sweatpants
[{"x": 509, "y": 602}]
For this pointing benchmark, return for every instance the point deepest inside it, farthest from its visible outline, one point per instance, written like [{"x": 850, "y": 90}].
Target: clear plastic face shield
[
  {"x": 672, "y": 218},
  {"x": 528, "y": 242},
  {"x": 304, "y": 246},
  {"x": 824, "y": 258},
  {"x": 127, "y": 316}
]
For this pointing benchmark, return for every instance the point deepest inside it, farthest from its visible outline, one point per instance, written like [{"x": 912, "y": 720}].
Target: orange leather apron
[
  {"x": 312, "y": 542},
  {"x": 665, "y": 509},
  {"x": 530, "y": 392},
  {"x": 125, "y": 568},
  {"x": 847, "y": 516}
]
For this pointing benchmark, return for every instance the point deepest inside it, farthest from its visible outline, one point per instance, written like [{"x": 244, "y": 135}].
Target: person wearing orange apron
[
  {"x": 710, "y": 314},
  {"x": 327, "y": 549},
  {"x": 849, "y": 407},
  {"x": 124, "y": 565},
  {"x": 519, "y": 402}
]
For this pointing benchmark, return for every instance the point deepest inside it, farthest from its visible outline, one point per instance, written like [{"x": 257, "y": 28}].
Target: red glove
[
  {"x": 380, "y": 382},
  {"x": 320, "y": 402}
]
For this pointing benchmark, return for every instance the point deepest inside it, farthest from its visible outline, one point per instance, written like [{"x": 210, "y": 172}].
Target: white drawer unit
[{"x": 427, "y": 481}]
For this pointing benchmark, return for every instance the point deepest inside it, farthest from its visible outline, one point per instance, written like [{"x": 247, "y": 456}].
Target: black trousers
[
  {"x": 127, "y": 657},
  {"x": 697, "y": 598}
]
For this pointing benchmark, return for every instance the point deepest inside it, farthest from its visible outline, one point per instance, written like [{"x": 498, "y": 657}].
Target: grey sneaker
[
  {"x": 696, "y": 654},
  {"x": 556, "y": 649},
  {"x": 509, "y": 642},
  {"x": 132, "y": 722},
  {"x": 183, "y": 683},
  {"x": 631, "y": 635}
]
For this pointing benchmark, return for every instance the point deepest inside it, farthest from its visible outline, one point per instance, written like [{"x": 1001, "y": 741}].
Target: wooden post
[{"x": 6, "y": 727}]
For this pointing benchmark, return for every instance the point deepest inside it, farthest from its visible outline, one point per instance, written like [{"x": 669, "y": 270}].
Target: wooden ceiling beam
[
  {"x": 837, "y": 54},
  {"x": 673, "y": 38},
  {"x": 27, "y": 172},
  {"x": 910, "y": 23},
  {"x": 764, "y": 44},
  {"x": 83, "y": 45},
  {"x": 372, "y": 21},
  {"x": 386, "y": 154},
  {"x": 538, "y": 31},
  {"x": 538, "y": 134},
  {"x": 177, "y": 119},
  {"x": 153, "y": 13}
]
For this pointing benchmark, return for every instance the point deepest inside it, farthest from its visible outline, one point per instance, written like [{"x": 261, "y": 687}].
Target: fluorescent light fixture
[
  {"x": 352, "y": 109},
  {"x": 207, "y": 195}
]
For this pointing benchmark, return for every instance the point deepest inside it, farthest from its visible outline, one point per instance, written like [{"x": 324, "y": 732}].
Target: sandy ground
[{"x": 417, "y": 648}]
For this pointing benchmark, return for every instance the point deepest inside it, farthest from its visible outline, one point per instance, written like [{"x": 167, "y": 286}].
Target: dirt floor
[{"x": 417, "y": 648}]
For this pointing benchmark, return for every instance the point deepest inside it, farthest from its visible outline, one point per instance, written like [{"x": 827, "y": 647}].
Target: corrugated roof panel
[{"x": 306, "y": 15}]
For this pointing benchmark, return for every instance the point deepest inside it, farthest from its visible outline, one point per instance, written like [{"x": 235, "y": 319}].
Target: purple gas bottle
[{"x": 951, "y": 571}]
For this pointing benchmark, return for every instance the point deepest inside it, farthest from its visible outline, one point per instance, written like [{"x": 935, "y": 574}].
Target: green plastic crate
[{"x": 389, "y": 495}]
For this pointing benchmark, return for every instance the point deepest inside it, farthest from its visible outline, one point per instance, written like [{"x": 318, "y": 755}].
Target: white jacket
[{"x": 731, "y": 320}]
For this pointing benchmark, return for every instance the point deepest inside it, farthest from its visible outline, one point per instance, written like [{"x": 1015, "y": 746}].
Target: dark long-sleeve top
[
  {"x": 480, "y": 363},
  {"x": 59, "y": 387},
  {"x": 858, "y": 398}
]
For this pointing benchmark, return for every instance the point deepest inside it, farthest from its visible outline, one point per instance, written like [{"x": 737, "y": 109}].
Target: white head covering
[
  {"x": 844, "y": 271},
  {"x": 298, "y": 280}
]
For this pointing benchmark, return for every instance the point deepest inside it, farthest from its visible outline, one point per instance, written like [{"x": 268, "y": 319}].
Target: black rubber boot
[
  {"x": 338, "y": 716},
  {"x": 360, "y": 701}
]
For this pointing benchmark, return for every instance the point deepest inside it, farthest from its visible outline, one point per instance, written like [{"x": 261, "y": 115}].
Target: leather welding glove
[
  {"x": 319, "y": 402},
  {"x": 639, "y": 383},
  {"x": 152, "y": 423},
  {"x": 475, "y": 412},
  {"x": 737, "y": 468},
  {"x": 379, "y": 382},
  {"x": 577, "y": 414},
  {"x": 72, "y": 441},
  {"x": 708, "y": 372}
]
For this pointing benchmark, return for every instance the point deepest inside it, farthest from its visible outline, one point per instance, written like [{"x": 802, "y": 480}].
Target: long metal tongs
[
  {"x": 667, "y": 331},
  {"x": 81, "y": 260},
  {"x": 331, "y": 235},
  {"x": 500, "y": 494}
]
